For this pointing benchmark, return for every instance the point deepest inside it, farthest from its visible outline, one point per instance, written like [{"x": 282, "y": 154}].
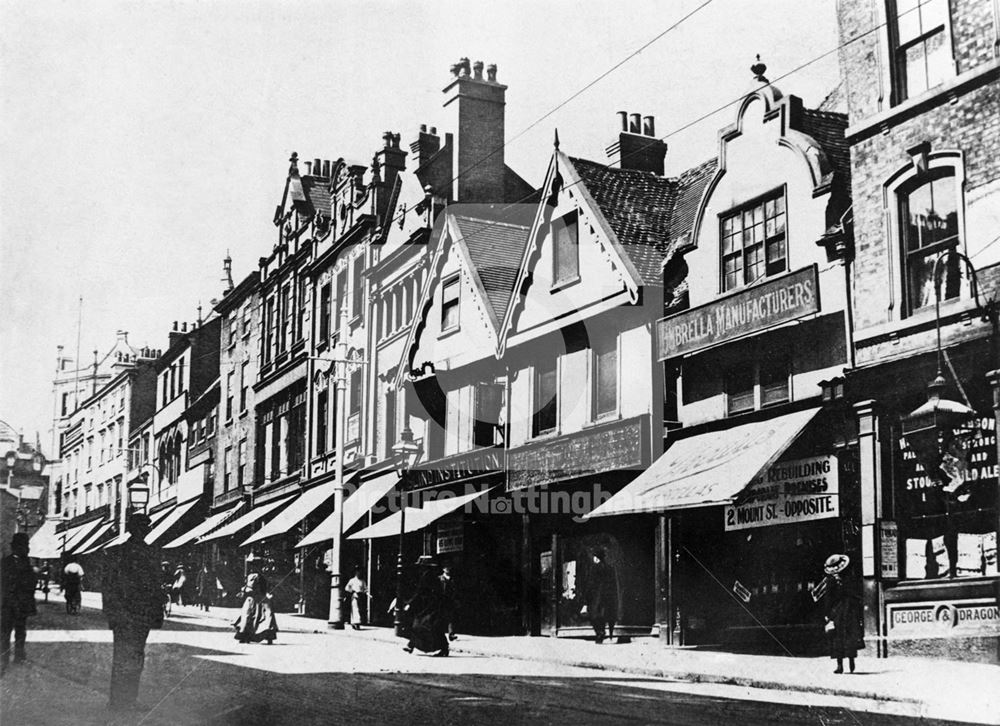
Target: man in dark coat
[
  {"x": 17, "y": 598},
  {"x": 133, "y": 604},
  {"x": 601, "y": 591}
]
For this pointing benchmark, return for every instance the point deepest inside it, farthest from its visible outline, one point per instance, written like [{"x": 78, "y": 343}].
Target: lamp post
[
  {"x": 336, "y": 620},
  {"x": 407, "y": 452}
]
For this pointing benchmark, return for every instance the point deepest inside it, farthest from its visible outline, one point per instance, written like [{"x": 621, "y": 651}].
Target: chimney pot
[
  {"x": 477, "y": 70},
  {"x": 648, "y": 126},
  {"x": 491, "y": 73},
  {"x": 464, "y": 67},
  {"x": 326, "y": 168},
  {"x": 423, "y": 127},
  {"x": 316, "y": 166},
  {"x": 175, "y": 325},
  {"x": 623, "y": 118},
  {"x": 635, "y": 127},
  {"x": 309, "y": 165},
  {"x": 433, "y": 130}
]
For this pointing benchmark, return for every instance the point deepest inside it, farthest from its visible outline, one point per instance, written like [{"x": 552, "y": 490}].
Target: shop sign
[
  {"x": 450, "y": 536},
  {"x": 888, "y": 534},
  {"x": 943, "y": 618},
  {"x": 763, "y": 306},
  {"x": 801, "y": 490}
]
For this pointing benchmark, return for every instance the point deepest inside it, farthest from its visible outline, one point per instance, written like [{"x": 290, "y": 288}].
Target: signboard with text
[
  {"x": 762, "y": 306},
  {"x": 801, "y": 490},
  {"x": 943, "y": 618}
]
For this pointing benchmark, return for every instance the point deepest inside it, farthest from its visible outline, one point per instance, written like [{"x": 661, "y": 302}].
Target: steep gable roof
[
  {"x": 827, "y": 128},
  {"x": 495, "y": 249},
  {"x": 692, "y": 184}
]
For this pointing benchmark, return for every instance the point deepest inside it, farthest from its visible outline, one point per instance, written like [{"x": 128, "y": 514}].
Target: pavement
[{"x": 929, "y": 689}]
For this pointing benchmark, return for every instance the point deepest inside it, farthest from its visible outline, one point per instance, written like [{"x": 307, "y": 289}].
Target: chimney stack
[
  {"x": 478, "y": 104},
  {"x": 427, "y": 144},
  {"x": 637, "y": 147}
]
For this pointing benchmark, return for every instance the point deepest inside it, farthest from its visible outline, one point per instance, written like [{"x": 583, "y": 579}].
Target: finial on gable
[
  {"x": 293, "y": 161},
  {"x": 555, "y": 139},
  {"x": 758, "y": 69}
]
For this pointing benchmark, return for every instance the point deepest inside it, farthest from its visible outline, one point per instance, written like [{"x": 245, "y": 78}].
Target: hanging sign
[{"x": 801, "y": 490}]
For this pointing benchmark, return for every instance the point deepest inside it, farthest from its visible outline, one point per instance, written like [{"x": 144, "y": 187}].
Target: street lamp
[
  {"x": 407, "y": 451},
  {"x": 138, "y": 493}
]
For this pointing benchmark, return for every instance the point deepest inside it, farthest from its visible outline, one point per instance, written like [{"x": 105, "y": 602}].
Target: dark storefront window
[{"x": 947, "y": 520}]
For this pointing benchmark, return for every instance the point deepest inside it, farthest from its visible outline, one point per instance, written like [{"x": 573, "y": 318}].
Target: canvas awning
[
  {"x": 75, "y": 536},
  {"x": 356, "y": 506},
  {"x": 255, "y": 514},
  {"x": 46, "y": 543},
  {"x": 416, "y": 517},
  {"x": 201, "y": 528},
  {"x": 709, "y": 468},
  {"x": 87, "y": 543},
  {"x": 300, "y": 508},
  {"x": 172, "y": 518}
]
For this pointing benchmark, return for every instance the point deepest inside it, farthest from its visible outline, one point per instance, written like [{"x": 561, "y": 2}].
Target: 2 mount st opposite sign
[{"x": 765, "y": 305}]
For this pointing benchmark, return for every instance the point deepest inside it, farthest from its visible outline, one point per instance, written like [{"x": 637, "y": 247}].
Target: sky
[{"x": 141, "y": 141}]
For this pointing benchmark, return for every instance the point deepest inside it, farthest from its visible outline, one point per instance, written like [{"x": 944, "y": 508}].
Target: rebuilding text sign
[
  {"x": 767, "y": 304},
  {"x": 790, "y": 491}
]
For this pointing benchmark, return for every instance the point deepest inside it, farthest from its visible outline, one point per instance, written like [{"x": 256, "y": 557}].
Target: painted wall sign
[
  {"x": 943, "y": 618},
  {"x": 770, "y": 303},
  {"x": 801, "y": 490}
]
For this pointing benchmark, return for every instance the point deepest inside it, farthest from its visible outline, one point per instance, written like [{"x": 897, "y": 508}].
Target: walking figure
[
  {"x": 133, "y": 604},
  {"x": 72, "y": 585},
  {"x": 601, "y": 592},
  {"x": 206, "y": 585},
  {"x": 177, "y": 588},
  {"x": 357, "y": 590},
  {"x": 256, "y": 621},
  {"x": 17, "y": 599},
  {"x": 431, "y": 609}
]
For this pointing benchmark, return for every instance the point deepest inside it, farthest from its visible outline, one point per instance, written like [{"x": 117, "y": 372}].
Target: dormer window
[{"x": 752, "y": 241}]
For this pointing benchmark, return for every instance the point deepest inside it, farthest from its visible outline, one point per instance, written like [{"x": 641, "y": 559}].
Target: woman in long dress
[
  {"x": 357, "y": 590},
  {"x": 256, "y": 622},
  {"x": 843, "y": 614},
  {"x": 431, "y": 610}
]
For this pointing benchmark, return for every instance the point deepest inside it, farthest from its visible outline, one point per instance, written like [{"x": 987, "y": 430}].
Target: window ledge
[
  {"x": 545, "y": 436},
  {"x": 244, "y": 413},
  {"x": 563, "y": 284},
  {"x": 449, "y": 332},
  {"x": 932, "y": 97},
  {"x": 602, "y": 420}
]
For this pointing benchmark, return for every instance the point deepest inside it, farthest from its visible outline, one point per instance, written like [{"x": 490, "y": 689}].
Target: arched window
[{"x": 929, "y": 225}]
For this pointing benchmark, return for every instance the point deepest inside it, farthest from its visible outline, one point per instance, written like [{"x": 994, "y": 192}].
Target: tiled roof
[
  {"x": 637, "y": 205},
  {"x": 317, "y": 192},
  {"x": 495, "y": 248},
  {"x": 828, "y": 129},
  {"x": 692, "y": 186}
]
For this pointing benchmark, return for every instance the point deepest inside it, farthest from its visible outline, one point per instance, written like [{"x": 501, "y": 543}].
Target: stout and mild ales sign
[
  {"x": 762, "y": 306},
  {"x": 801, "y": 490}
]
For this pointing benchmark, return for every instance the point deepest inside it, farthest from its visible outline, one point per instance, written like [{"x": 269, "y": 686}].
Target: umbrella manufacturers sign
[
  {"x": 801, "y": 490},
  {"x": 762, "y": 306}
]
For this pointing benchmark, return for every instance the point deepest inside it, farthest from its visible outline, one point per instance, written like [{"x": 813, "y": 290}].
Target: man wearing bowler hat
[{"x": 133, "y": 604}]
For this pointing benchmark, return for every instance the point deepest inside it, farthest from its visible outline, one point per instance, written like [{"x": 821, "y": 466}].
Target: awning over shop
[
  {"x": 246, "y": 520},
  {"x": 88, "y": 542},
  {"x": 356, "y": 506},
  {"x": 76, "y": 535},
  {"x": 416, "y": 517},
  {"x": 300, "y": 508},
  {"x": 709, "y": 468},
  {"x": 154, "y": 519},
  {"x": 46, "y": 543},
  {"x": 174, "y": 516},
  {"x": 216, "y": 520}
]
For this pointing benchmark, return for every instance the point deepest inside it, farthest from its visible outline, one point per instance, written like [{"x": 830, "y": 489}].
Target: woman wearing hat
[{"x": 843, "y": 613}]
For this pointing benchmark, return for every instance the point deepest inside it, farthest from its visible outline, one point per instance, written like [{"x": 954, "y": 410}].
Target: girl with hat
[{"x": 843, "y": 613}]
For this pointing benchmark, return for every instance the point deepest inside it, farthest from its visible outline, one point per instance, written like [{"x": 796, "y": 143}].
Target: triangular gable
[{"x": 561, "y": 176}]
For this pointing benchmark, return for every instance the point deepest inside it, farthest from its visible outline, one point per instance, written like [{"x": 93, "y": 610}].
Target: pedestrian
[
  {"x": 206, "y": 586},
  {"x": 43, "y": 580},
  {"x": 166, "y": 587},
  {"x": 430, "y": 609},
  {"x": 601, "y": 596},
  {"x": 17, "y": 599},
  {"x": 177, "y": 588},
  {"x": 843, "y": 614},
  {"x": 72, "y": 586},
  {"x": 449, "y": 603},
  {"x": 256, "y": 621},
  {"x": 133, "y": 604},
  {"x": 357, "y": 591}
]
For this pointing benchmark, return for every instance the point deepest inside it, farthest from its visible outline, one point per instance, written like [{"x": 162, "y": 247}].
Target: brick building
[{"x": 923, "y": 96}]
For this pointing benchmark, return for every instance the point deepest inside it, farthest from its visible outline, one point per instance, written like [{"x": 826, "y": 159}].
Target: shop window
[
  {"x": 753, "y": 386},
  {"x": 928, "y": 214},
  {"x": 605, "y": 379},
  {"x": 921, "y": 53},
  {"x": 449, "y": 304},
  {"x": 947, "y": 518},
  {"x": 740, "y": 390},
  {"x": 774, "y": 375},
  {"x": 752, "y": 242},
  {"x": 546, "y": 403},
  {"x": 566, "y": 249}
]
